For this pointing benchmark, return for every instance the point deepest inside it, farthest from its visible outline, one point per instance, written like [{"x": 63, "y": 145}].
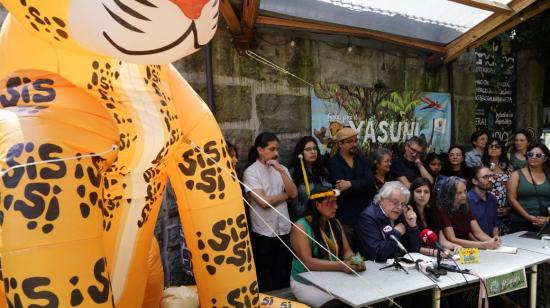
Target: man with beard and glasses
[
  {"x": 482, "y": 202},
  {"x": 351, "y": 174},
  {"x": 269, "y": 186},
  {"x": 408, "y": 167}
]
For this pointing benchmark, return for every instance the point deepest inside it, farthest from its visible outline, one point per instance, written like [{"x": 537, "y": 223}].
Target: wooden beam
[
  {"x": 230, "y": 17},
  {"x": 468, "y": 39},
  {"x": 487, "y": 5},
  {"x": 250, "y": 13},
  {"x": 532, "y": 11},
  {"x": 343, "y": 30}
]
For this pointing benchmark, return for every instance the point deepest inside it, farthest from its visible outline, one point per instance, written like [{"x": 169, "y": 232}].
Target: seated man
[
  {"x": 408, "y": 167},
  {"x": 482, "y": 202},
  {"x": 388, "y": 215}
]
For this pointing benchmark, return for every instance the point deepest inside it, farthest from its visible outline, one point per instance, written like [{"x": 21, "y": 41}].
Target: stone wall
[{"x": 252, "y": 97}]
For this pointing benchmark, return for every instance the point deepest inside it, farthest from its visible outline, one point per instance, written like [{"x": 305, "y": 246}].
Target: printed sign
[
  {"x": 507, "y": 282},
  {"x": 468, "y": 255},
  {"x": 381, "y": 116},
  {"x": 495, "y": 75}
]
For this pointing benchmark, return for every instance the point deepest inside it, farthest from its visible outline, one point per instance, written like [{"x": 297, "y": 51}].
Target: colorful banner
[
  {"x": 495, "y": 73},
  {"x": 382, "y": 117}
]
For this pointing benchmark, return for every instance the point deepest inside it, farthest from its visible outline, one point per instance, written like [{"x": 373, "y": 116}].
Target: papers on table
[{"x": 505, "y": 249}]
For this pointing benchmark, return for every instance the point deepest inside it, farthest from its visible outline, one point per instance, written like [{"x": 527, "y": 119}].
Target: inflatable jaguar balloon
[{"x": 93, "y": 122}]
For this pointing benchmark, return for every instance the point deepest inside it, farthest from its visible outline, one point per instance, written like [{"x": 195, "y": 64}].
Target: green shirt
[
  {"x": 516, "y": 162},
  {"x": 297, "y": 267},
  {"x": 527, "y": 197}
]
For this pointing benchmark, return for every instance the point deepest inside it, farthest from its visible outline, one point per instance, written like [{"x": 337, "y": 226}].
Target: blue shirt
[
  {"x": 485, "y": 212},
  {"x": 473, "y": 159},
  {"x": 373, "y": 231}
]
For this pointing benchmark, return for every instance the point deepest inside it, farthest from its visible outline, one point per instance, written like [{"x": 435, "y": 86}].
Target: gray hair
[
  {"x": 379, "y": 153},
  {"x": 389, "y": 187},
  {"x": 448, "y": 193}
]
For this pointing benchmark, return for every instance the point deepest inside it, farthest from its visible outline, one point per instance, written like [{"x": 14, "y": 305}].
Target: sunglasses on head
[{"x": 535, "y": 155}]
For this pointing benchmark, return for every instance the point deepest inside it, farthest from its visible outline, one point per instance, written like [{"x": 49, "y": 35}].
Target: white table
[
  {"x": 372, "y": 286},
  {"x": 491, "y": 264},
  {"x": 375, "y": 286},
  {"x": 533, "y": 245}
]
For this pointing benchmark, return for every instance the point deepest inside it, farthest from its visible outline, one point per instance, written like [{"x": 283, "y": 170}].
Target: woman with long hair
[
  {"x": 496, "y": 160},
  {"x": 458, "y": 222},
  {"x": 319, "y": 224},
  {"x": 455, "y": 165},
  {"x": 522, "y": 140},
  {"x": 422, "y": 201},
  {"x": 381, "y": 163},
  {"x": 317, "y": 174},
  {"x": 529, "y": 191}
]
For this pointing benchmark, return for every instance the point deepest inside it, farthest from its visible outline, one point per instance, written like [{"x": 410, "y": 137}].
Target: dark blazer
[{"x": 374, "y": 230}]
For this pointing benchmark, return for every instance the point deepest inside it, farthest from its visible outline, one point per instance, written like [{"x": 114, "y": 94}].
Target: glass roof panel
[{"x": 438, "y": 21}]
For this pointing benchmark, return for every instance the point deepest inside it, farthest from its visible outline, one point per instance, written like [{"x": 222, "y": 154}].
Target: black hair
[
  {"x": 447, "y": 168},
  {"x": 418, "y": 140},
  {"x": 448, "y": 193},
  {"x": 502, "y": 159},
  {"x": 527, "y": 135},
  {"x": 318, "y": 172},
  {"x": 544, "y": 148},
  {"x": 262, "y": 140},
  {"x": 476, "y": 135},
  {"x": 315, "y": 222},
  {"x": 429, "y": 158},
  {"x": 432, "y": 220}
]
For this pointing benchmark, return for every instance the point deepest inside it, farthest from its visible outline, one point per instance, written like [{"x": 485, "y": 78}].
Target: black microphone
[
  {"x": 399, "y": 244},
  {"x": 426, "y": 267}
]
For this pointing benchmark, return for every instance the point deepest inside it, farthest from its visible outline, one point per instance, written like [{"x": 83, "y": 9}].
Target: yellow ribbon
[{"x": 304, "y": 173}]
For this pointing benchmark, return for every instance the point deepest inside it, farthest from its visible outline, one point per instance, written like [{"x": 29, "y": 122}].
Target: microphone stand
[
  {"x": 439, "y": 269},
  {"x": 395, "y": 263}
]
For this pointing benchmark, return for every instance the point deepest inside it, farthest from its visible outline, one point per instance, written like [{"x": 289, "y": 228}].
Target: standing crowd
[{"x": 349, "y": 202}]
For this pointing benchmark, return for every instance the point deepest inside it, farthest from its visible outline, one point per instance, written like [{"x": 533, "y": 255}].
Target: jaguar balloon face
[{"x": 135, "y": 31}]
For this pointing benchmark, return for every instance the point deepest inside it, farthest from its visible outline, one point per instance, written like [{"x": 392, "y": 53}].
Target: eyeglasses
[
  {"x": 310, "y": 149},
  {"x": 535, "y": 155},
  {"x": 350, "y": 141},
  {"x": 486, "y": 177},
  {"x": 495, "y": 146},
  {"x": 415, "y": 151},
  {"x": 396, "y": 203}
]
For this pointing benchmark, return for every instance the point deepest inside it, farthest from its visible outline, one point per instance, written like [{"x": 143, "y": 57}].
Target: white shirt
[{"x": 260, "y": 176}]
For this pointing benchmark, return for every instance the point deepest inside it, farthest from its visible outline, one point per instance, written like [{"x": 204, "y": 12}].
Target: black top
[
  {"x": 465, "y": 172},
  {"x": 352, "y": 201},
  {"x": 402, "y": 167}
]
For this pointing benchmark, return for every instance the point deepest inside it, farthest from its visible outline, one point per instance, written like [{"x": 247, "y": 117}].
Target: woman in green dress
[{"x": 529, "y": 191}]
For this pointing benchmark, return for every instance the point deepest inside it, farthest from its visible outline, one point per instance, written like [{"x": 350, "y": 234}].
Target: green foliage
[{"x": 401, "y": 106}]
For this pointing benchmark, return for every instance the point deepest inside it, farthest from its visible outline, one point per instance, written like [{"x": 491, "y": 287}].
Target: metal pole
[
  {"x": 450, "y": 87},
  {"x": 209, "y": 76}
]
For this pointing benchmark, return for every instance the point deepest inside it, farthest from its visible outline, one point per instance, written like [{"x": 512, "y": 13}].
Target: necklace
[{"x": 334, "y": 247}]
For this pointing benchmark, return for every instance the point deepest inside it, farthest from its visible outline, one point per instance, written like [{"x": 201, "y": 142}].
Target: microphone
[
  {"x": 398, "y": 243},
  {"x": 429, "y": 238},
  {"x": 427, "y": 268}
]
